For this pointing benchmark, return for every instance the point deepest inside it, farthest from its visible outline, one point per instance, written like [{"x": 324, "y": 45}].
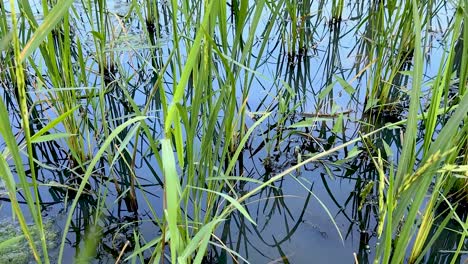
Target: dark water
[{"x": 296, "y": 220}]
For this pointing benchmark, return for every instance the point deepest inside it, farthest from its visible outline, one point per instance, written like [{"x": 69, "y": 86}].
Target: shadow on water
[{"x": 327, "y": 210}]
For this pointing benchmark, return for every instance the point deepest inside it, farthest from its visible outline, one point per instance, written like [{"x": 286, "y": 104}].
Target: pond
[{"x": 234, "y": 132}]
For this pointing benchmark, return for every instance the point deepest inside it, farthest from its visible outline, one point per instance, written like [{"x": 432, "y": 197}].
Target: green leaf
[
  {"x": 338, "y": 127},
  {"x": 52, "y": 18},
  {"x": 353, "y": 152},
  {"x": 199, "y": 241},
  {"x": 5, "y": 41},
  {"x": 51, "y": 137},
  {"x": 231, "y": 200},
  {"x": 308, "y": 122},
  {"x": 172, "y": 193},
  {"x": 241, "y": 145},
  {"x": 326, "y": 91},
  {"x": 98, "y": 35},
  {"x": 346, "y": 86},
  {"x": 53, "y": 123},
  {"x": 87, "y": 175}
]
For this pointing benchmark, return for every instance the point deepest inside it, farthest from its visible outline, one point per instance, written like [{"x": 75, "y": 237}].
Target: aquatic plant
[{"x": 171, "y": 101}]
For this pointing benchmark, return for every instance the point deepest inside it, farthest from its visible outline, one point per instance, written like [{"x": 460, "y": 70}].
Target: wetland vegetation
[{"x": 233, "y": 131}]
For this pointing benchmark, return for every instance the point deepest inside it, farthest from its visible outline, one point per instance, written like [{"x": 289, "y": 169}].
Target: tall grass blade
[
  {"x": 41, "y": 33},
  {"x": 87, "y": 175}
]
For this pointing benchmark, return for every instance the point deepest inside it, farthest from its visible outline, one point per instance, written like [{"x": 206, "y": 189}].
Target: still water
[{"x": 319, "y": 213}]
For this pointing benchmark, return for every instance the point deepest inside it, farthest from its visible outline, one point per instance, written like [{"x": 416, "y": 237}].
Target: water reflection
[{"x": 327, "y": 209}]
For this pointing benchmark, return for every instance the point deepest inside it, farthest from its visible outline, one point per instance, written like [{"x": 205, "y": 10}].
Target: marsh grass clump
[{"x": 161, "y": 114}]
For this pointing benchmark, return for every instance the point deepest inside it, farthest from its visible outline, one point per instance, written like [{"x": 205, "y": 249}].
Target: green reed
[
  {"x": 204, "y": 115},
  {"x": 408, "y": 188}
]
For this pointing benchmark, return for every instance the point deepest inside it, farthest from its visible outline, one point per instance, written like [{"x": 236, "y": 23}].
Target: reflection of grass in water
[
  {"x": 2, "y": 188},
  {"x": 199, "y": 184},
  {"x": 14, "y": 248}
]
